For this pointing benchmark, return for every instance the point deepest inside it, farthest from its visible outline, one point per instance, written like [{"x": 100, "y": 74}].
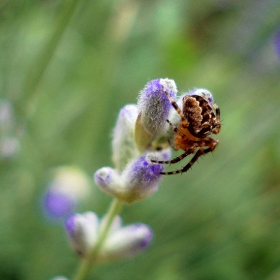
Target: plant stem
[{"x": 86, "y": 264}]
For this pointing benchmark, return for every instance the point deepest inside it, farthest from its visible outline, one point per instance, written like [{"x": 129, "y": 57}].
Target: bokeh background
[{"x": 67, "y": 67}]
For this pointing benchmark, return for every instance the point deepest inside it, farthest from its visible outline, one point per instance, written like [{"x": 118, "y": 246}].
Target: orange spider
[{"x": 200, "y": 117}]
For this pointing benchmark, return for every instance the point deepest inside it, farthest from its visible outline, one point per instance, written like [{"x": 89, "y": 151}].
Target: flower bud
[
  {"x": 106, "y": 177},
  {"x": 127, "y": 242},
  {"x": 123, "y": 136},
  {"x": 154, "y": 108},
  {"x": 108, "y": 180},
  {"x": 59, "y": 278},
  {"x": 82, "y": 231},
  {"x": 140, "y": 179}
]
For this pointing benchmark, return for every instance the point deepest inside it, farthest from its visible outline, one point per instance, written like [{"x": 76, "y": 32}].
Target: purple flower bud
[
  {"x": 68, "y": 186},
  {"x": 140, "y": 179},
  {"x": 123, "y": 136},
  {"x": 154, "y": 104},
  {"x": 277, "y": 43},
  {"x": 127, "y": 242},
  {"x": 82, "y": 231},
  {"x": 108, "y": 180}
]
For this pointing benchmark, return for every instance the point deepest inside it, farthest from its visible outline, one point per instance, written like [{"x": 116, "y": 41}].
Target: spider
[{"x": 200, "y": 117}]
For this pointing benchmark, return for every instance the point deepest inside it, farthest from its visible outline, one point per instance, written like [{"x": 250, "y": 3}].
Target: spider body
[{"x": 200, "y": 117}]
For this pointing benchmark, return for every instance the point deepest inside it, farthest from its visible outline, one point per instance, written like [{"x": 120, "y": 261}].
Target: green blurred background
[{"x": 66, "y": 70}]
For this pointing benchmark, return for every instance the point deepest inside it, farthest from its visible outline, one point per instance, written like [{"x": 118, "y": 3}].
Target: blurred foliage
[{"x": 65, "y": 78}]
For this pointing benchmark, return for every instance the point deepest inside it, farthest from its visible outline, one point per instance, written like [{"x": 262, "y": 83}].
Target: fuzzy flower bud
[
  {"x": 154, "y": 108},
  {"x": 82, "y": 231},
  {"x": 139, "y": 180},
  {"x": 123, "y": 136},
  {"x": 59, "y": 278},
  {"x": 107, "y": 179},
  {"x": 127, "y": 241}
]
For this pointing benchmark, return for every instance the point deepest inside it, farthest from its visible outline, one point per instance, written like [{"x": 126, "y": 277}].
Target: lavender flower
[
  {"x": 139, "y": 179},
  {"x": 58, "y": 204},
  {"x": 154, "y": 108},
  {"x": 83, "y": 230},
  {"x": 107, "y": 178},
  {"x": 68, "y": 186},
  {"x": 127, "y": 241},
  {"x": 123, "y": 137}
]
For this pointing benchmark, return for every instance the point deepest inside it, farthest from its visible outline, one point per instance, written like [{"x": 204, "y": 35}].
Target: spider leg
[
  {"x": 217, "y": 126},
  {"x": 189, "y": 165},
  {"x": 174, "y": 160},
  {"x": 177, "y": 130},
  {"x": 172, "y": 146},
  {"x": 198, "y": 154},
  {"x": 178, "y": 110}
]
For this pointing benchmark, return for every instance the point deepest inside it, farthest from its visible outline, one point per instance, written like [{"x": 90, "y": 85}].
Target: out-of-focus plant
[
  {"x": 133, "y": 178},
  {"x": 138, "y": 135}
]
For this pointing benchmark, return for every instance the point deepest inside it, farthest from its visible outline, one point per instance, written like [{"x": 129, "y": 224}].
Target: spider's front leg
[
  {"x": 176, "y": 107},
  {"x": 212, "y": 144},
  {"x": 174, "y": 160}
]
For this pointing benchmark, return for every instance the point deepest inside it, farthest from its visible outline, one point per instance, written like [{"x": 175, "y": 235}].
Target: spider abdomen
[{"x": 200, "y": 116}]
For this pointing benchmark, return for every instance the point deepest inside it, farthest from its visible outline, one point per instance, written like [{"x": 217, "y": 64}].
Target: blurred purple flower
[
  {"x": 277, "y": 42},
  {"x": 58, "y": 204},
  {"x": 68, "y": 186}
]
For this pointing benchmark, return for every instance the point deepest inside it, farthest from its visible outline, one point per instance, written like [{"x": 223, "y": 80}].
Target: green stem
[{"x": 86, "y": 264}]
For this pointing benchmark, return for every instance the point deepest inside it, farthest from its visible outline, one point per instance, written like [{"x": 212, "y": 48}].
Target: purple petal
[
  {"x": 70, "y": 225},
  {"x": 58, "y": 204}
]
